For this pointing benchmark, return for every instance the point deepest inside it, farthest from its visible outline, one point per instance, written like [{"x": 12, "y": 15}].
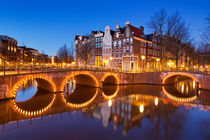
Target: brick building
[
  {"x": 125, "y": 48},
  {"x": 8, "y": 50}
]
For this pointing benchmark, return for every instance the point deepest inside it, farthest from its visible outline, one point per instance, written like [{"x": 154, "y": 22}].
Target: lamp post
[
  {"x": 143, "y": 58},
  {"x": 158, "y": 60}
]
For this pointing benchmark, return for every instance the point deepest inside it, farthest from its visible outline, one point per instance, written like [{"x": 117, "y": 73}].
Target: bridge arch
[
  {"x": 110, "y": 78},
  {"x": 170, "y": 77},
  {"x": 81, "y": 97},
  {"x": 81, "y": 77},
  {"x": 42, "y": 81},
  {"x": 26, "y": 109},
  {"x": 110, "y": 92}
]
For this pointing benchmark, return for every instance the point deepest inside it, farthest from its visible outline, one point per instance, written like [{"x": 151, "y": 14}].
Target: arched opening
[
  {"x": 35, "y": 106},
  {"x": 110, "y": 91},
  {"x": 110, "y": 80},
  {"x": 181, "y": 87},
  {"x": 79, "y": 90},
  {"x": 85, "y": 80},
  {"x": 80, "y": 96},
  {"x": 40, "y": 82}
]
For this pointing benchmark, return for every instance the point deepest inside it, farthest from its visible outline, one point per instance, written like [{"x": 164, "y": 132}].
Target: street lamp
[{"x": 143, "y": 57}]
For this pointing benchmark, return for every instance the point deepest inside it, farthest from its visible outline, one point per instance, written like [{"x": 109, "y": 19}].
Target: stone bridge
[{"x": 55, "y": 81}]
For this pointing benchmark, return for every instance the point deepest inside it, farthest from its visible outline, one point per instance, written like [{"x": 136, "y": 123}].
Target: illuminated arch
[
  {"x": 179, "y": 74},
  {"x": 180, "y": 99},
  {"x": 35, "y": 112},
  {"x": 74, "y": 105},
  {"x": 111, "y": 74},
  {"x": 26, "y": 79},
  {"x": 73, "y": 74},
  {"x": 111, "y": 96}
]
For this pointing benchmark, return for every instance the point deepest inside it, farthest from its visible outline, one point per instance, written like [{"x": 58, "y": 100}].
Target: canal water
[{"x": 176, "y": 111}]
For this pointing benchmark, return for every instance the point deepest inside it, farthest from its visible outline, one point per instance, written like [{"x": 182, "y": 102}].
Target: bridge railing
[{"x": 24, "y": 69}]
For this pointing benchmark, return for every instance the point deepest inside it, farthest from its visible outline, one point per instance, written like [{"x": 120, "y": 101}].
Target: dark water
[{"x": 178, "y": 111}]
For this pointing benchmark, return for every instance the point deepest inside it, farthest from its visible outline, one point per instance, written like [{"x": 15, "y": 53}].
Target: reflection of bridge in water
[{"x": 42, "y": 105}]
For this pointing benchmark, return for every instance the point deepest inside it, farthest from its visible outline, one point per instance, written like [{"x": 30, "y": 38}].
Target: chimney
[{"x": 142, "y": 28}]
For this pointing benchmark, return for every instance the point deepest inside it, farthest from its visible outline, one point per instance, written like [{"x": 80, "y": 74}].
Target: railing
[{"x": 25, "y": 69}]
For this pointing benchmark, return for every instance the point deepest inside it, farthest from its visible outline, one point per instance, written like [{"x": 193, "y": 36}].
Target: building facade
[
  {"x": 126, "y": 48},
  {"x": 107, "y": 47}
]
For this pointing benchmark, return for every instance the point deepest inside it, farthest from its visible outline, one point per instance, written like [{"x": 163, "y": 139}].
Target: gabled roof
[{"x": 137, "y": 32}]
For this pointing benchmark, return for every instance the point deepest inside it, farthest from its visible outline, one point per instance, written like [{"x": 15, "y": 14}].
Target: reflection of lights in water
[
  {"x": 179, "y": 99},
  {"x": 187, "y": 89},
  {"x": 110, "y": 103},
  {"x": 115, "y": 118},
  {"x": 110, "y": 96},
  {"x": 25, "y": 79},
  {"x": 75, "y": 105},
  {"x": 36, "y": 112},
  {"x": 182, "y": 88},
  {"x": 156, "y": 101},
  {"x": 141, "y": 108},
  {"x": 193, "y": 84}
]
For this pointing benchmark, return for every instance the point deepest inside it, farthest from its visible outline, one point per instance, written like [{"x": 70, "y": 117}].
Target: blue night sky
[{"x": 46, "y": 24}]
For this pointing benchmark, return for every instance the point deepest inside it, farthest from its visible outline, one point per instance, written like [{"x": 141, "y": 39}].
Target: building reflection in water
[
  {"x": 127, "y": 110},
  {"x": 69, "y": 86}
]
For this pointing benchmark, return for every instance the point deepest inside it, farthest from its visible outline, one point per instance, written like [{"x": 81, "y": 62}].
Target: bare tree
[
  {"x": 172, "y": 33},
  {"x": 65, "y": 54}
]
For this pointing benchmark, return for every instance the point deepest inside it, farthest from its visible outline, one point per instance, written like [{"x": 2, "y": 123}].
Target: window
[
  {"x": 124, "y": 40},
  {"x": 127, "y": 41},
  {"x": 117, "y": 35},
  {"x": 131, "y": 40},
  {"x": 127, "y": 29},
  {"x": 131, "y": 49},
  {"x": 119, "y": 44},
  {"x": 127, "y": 34},
  {"x": 127, "y": 48},
  {"x": 115, "y": 43}
]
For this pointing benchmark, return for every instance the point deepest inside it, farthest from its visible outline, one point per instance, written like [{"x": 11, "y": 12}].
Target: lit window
[
  {"x": 131, "y": 40},
  {"x": 127, "y": 41},
  {"x": 127, "y": 34},
  {"x": 115, "y": 43},
  {"x": 131, "y": 49},
  {"x": 119, "y": 44}
]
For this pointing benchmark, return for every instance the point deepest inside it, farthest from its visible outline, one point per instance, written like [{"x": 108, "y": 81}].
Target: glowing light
[
  {"x": 182, "y": 88},
  {"x": 179, "y": 99},
  {"x": 142, "y": 57},
  {"x": 110, "y": 103},
  {"x": 141, "y": 108},
  {"x": 193, "y": 84},
  {"x": 52, "y": 60},
  {"x": 115, "y": 118},
  {"x": 158, "y": 60},
  {"x": 73, "y": 63},
  {"x": 156, "y": 101},
  {"x": 75, "y": 74},
  {"x": 36, "y": 112},
  {"x": 81, "y": 104},
  {"x": 111, "y": 58},
  {"x": 111, "y": 96}
]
